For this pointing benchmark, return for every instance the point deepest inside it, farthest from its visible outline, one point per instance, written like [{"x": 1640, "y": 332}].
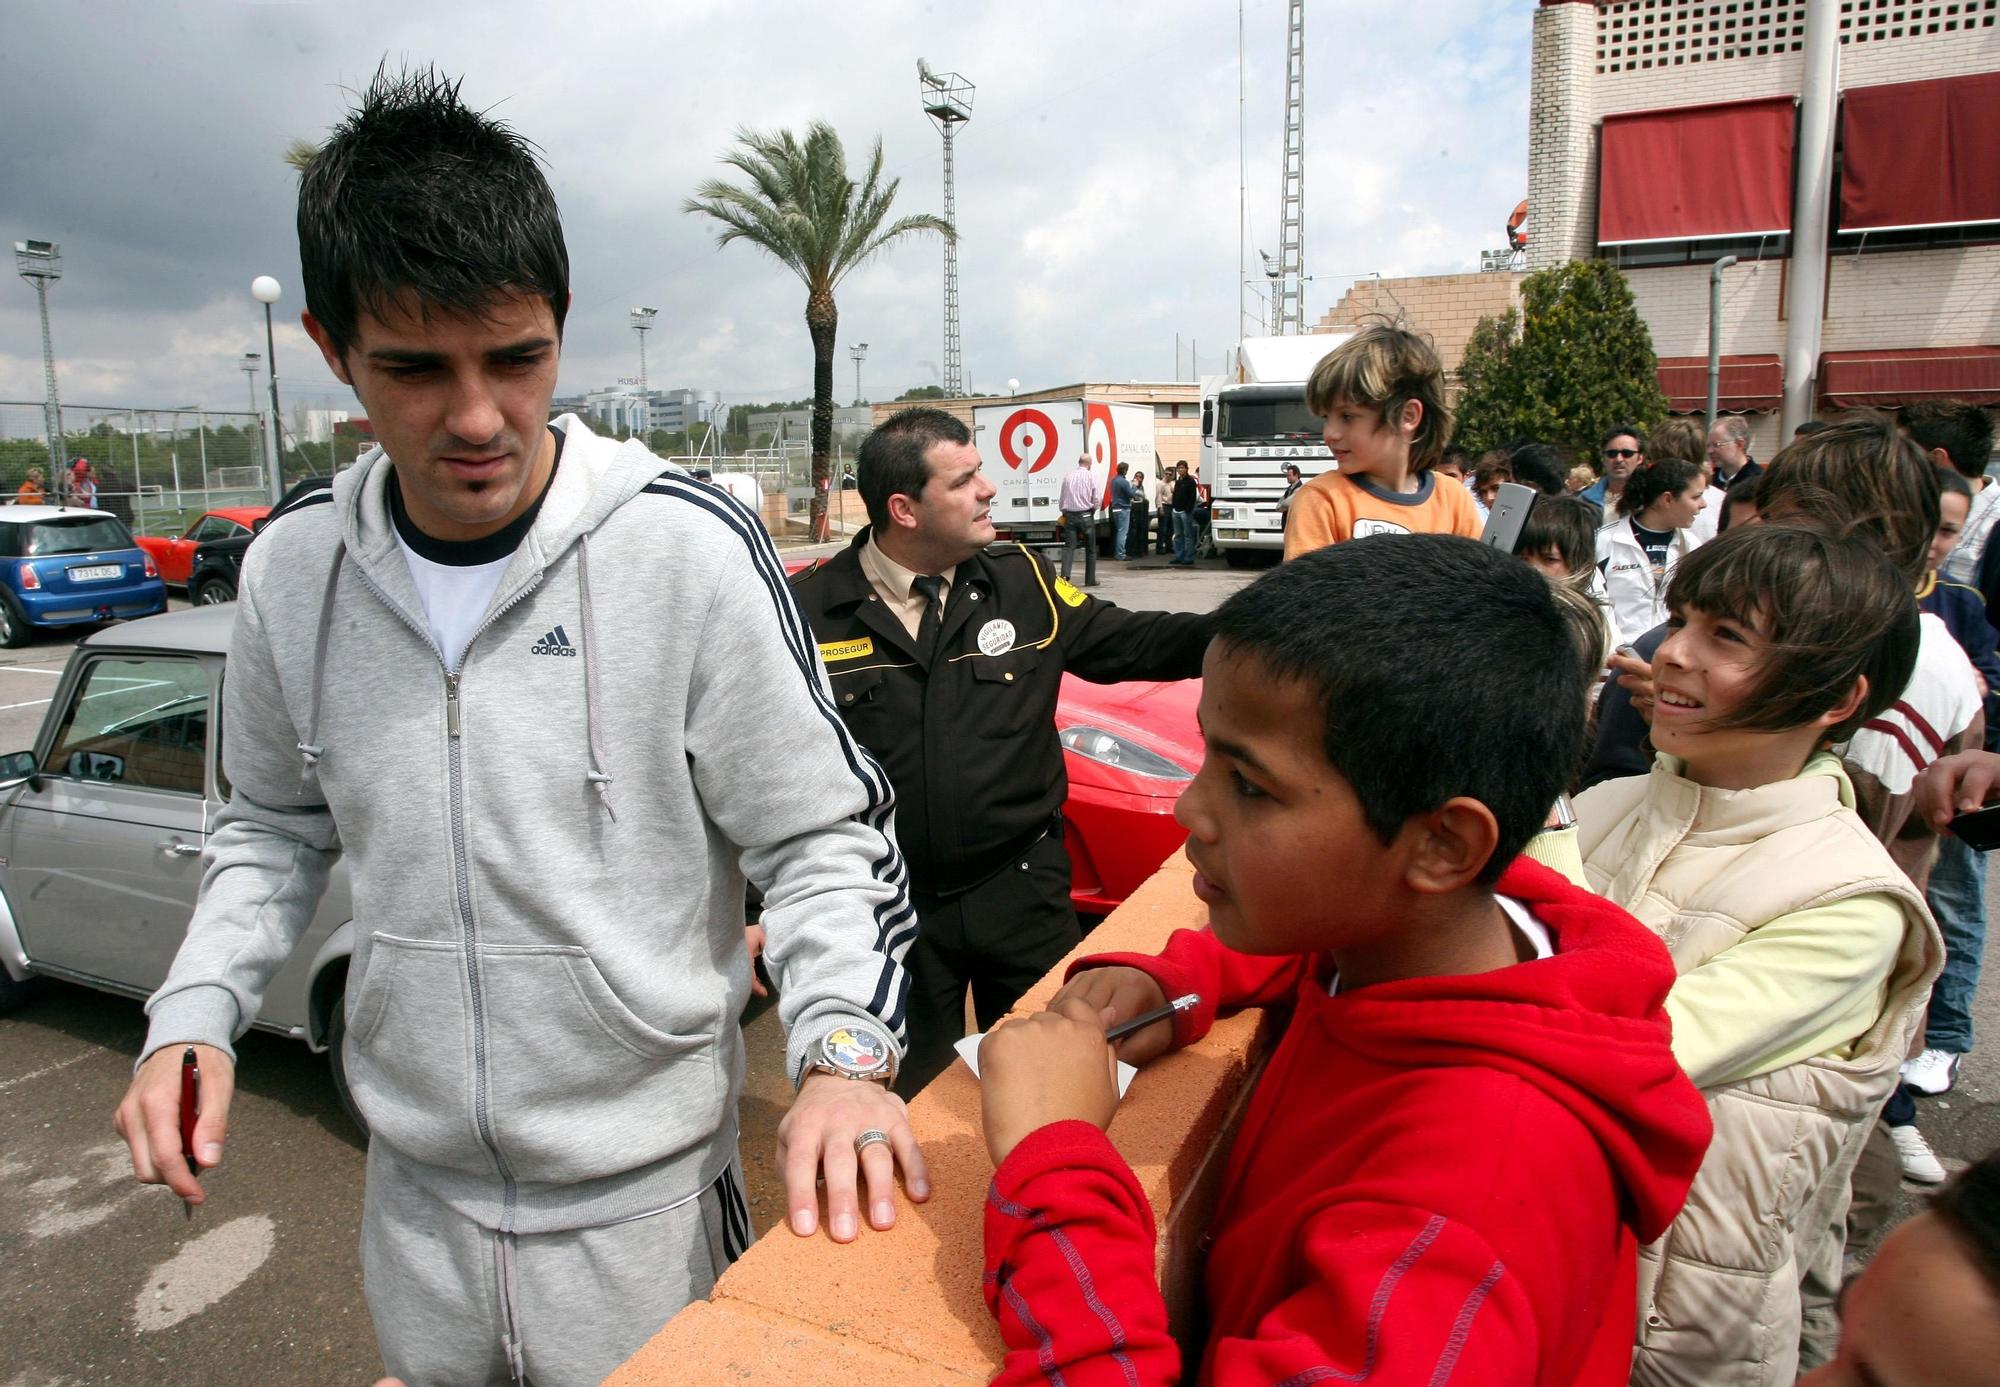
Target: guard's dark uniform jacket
[{"x": 969, "y": 740}]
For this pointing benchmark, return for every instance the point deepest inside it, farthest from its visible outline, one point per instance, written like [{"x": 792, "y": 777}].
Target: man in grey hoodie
[{"x": 506, "y": 667}]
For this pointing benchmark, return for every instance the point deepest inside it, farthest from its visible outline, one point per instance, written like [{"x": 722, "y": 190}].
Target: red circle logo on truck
[{"x": 1028, "y": 437}]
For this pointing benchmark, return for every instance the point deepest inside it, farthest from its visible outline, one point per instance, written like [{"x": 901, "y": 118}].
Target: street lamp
[
  {"x": 40, "y": 263},
  {"x": 857, "y": 350},
  {"x": 265, "y": 290}
]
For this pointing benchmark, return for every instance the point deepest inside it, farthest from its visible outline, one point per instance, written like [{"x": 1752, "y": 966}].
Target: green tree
[
  {"x": 922, "y": 392},
  {"x": 801, "y": 208},
  {"x": 1573, "y": 361}
]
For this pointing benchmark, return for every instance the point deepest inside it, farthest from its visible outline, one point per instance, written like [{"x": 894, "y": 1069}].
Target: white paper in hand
[{"x": 968, "y": 1050}]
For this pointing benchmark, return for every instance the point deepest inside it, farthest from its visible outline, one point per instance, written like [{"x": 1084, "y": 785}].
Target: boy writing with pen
[{"x": 1473, "y": 1117}]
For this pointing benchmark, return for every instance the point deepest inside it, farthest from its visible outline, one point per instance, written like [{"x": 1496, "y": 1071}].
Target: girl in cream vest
[{"x": 1805, "y": 955}]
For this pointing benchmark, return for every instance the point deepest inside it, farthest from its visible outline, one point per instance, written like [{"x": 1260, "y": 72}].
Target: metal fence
[{"x": 158, "y": 469}]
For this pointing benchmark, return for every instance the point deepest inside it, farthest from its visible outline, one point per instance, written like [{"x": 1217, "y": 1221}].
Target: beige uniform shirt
[{"x": 894, "y": 584}]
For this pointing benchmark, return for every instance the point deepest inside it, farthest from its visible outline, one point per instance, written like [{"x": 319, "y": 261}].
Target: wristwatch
[{"x": 853, "y": 1051}]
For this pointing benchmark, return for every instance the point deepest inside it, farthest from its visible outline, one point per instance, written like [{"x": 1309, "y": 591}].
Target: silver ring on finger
[{"x": 869, "y": 1138}]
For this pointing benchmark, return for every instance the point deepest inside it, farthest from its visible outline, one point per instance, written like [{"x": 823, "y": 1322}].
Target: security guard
[{"x": 946, "y": 658}]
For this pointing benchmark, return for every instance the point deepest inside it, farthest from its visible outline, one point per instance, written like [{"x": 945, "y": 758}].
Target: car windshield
[
  {"x": 1258, "y": 421},
  {"x": 83, "y": 535}
]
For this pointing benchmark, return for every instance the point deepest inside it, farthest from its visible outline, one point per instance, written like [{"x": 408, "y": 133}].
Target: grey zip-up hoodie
[{"x": 548, "y": 846}]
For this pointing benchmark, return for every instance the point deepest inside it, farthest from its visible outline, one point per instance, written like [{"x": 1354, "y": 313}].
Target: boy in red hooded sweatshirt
[{"x": 1474, "y": 1116}]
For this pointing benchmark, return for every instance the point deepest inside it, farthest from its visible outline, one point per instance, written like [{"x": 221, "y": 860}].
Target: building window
[{"x": 1639, "y": 35}]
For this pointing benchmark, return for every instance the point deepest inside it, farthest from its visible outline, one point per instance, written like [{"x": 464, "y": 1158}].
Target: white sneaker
[
  {"x": 1914, "y": 1154},
  {"x": 1932, "y": 1072}
]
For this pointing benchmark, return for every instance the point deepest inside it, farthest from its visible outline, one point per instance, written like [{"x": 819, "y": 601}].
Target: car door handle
[{"x": 181, "y": 849}]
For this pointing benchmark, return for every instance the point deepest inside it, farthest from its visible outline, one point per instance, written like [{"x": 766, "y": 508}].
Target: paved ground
[{"x": 107, "y": 1283}]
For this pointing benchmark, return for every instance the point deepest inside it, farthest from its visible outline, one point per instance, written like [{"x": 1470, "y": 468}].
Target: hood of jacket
[{"x": 1586, "y": 1026}]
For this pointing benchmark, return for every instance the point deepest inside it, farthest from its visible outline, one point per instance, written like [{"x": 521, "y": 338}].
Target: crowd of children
[{"x": 1587, "y": 1090}]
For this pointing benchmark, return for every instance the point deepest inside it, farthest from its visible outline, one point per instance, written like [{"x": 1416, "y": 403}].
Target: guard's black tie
[{"x": 931, "y": 585}]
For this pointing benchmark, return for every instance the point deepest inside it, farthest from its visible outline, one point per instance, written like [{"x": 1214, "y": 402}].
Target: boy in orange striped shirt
[{"x": 1381, "y": 394}]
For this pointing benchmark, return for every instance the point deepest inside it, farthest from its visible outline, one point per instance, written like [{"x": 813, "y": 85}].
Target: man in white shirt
[{"x": 1078, "y": 501}]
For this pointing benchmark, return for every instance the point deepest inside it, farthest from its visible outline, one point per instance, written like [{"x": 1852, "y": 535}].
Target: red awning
[
  {"x": 1696, "y": 172},
  {"x": 1883, "y": 379},
  {"x": 1917, "y": 154},
  {"x": 1747, "y": 385}
]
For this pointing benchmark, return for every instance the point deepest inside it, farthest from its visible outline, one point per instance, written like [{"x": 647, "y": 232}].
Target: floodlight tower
[
  {"x": 1288, "y": 312},
  {"x": 857, "y": 350},
  {"x": 642, "y": 323},
  {"x": 40, "y": 263},
  {"x": 250, "y": 364},
  {"x": 947, "y": 100}
]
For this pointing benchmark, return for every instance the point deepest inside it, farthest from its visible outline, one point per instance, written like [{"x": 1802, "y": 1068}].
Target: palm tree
[{"x": 803, "y": 210}]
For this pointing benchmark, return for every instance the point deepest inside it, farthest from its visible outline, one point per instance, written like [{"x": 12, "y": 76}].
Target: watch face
[{"x": 856, "y": 1051}]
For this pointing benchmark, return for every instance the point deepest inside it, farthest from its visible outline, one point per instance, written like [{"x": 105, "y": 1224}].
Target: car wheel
[
  {"x": 336, "y": 1060},
  {"x": 14, "y": 995},
  {"x": 213, "y": 592},
  {"x": 14, "y": 628}
]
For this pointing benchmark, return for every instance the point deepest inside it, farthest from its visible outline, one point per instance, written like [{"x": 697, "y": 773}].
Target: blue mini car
[{"x": 63, "y": 566}]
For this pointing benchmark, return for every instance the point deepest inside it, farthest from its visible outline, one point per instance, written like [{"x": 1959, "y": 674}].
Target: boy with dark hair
[
  {"x": 548, "y": 855},
  {"x": 1473, "y": 1116},
  {"x": 1958, "y": 438},
  {"x": 1381, "y": 396}
]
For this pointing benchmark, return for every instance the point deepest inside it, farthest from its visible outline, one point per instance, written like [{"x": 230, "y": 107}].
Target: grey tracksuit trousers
[{"x": 459, "y": 1305}]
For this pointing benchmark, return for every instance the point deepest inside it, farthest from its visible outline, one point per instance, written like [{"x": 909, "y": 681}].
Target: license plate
[
  {"x": 96, "y": 573},
  {"x": 1234, "y": 534}
]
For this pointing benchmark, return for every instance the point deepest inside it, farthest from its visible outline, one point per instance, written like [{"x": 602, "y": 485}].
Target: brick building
[
  {"x": 1445, "y": 307},
  {"x": 1846, "y": 152}
]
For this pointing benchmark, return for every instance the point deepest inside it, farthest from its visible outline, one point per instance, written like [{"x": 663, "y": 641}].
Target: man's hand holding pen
[{"x": 150, "y": 1117}]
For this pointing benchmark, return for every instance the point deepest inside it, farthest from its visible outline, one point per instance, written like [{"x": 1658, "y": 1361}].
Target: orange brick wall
[
  {"x": 904, "y": 1306},
  {"x": 1446, "y": 308}
]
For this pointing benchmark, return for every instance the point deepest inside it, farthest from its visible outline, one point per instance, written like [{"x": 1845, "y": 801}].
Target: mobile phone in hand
[
  {"x": 1978, "y": 829},
  {"x": 1509, "y": 514}
]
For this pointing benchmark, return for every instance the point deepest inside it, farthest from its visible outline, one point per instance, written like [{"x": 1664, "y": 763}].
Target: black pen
[{"x": 1139, "y": 1023}]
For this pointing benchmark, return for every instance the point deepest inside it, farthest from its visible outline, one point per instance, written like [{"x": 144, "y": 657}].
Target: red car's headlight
[{"x": 1110, "y": 749}]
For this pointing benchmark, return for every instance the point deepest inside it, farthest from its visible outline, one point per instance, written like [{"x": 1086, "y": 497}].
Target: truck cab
[{"x": 1252, "y": 425}]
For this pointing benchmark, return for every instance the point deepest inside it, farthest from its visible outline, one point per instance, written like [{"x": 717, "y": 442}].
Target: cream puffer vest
[{"x": 1720, "y": 1298}]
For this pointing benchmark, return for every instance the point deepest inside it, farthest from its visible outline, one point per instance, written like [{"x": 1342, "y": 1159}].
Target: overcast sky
[{"x": 1097, "y": 180}]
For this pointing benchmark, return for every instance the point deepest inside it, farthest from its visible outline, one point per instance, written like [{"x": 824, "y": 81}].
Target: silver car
[{"x": 103, "y": 823}]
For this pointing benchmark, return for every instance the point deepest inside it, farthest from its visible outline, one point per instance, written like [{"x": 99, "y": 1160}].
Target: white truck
[
  {"x": 1028, "y": 448},
  {"x": 1252, "y": 424}
]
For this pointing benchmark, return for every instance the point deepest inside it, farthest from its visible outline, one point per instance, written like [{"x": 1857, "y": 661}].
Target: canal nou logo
[{"x": 555, "y": 642}]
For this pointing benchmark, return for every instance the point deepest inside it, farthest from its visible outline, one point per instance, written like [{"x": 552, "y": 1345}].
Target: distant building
[
  {"x": 850, "y": 425},
  {"x": 621, "y": 409},
  {"x": 1665, "y": 134},
  {"x": 320, "y": 424}
]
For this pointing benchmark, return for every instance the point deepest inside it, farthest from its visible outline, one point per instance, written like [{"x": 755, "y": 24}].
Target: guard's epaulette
[
  {"x": 815, "y": 566},
  {"x": 1012, "y": 548}
]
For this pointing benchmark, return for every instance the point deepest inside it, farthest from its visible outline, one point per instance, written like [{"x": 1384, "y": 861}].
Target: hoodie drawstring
[
  {"x": 309, "y": 748},
  {"x": 597, "y": 774}
]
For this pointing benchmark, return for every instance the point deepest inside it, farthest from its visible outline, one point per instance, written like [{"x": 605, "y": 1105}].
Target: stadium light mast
[
  {"x": 40, "y": 263},
  {"x": 947, "y": 100},
  {"x": 857, "y": 350},
  {"x": 642, "y": 323},
  {"x": 250, "y": 363}
]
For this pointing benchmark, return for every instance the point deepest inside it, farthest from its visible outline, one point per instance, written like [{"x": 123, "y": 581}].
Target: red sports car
[
  {"x": 1130, "y": 749},
  {"x": 175, "y": 557}
]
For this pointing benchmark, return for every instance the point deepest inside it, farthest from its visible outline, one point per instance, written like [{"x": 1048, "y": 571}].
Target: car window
[
  {"x": 211, "y": 527},
  {"x": 84, "y": 535},
  {"x": 136, "y": 721}
]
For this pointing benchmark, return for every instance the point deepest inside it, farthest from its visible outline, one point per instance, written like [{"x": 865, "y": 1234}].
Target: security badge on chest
[{"x": 996, "y": 637}]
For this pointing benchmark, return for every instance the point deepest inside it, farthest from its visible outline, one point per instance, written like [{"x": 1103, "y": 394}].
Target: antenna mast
[
  {"x": 1288, "y": 313},
  {"x": 947, "y": 100}
]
